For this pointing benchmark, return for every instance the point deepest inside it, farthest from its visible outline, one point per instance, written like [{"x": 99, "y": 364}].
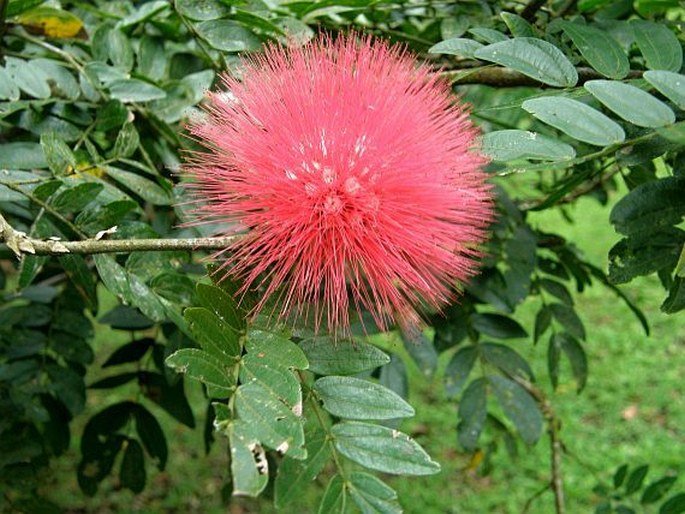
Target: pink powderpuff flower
[{"x": 351, "y": 168}]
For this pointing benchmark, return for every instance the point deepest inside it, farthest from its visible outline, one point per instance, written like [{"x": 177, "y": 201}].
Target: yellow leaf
[
  {"x": 51, "y": 22},
  {"x": 476, "y": 460}
]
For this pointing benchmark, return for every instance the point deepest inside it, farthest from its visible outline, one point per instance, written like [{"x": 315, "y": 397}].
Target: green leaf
[
  {"x": 58, "y": 155},
  {"x": 372, "y": 496},
  {"x": 658, "y": 44},
  {"x": 22, "y": 156},
  {"x": 383, "y": 449},
  {"x": 152, "y": 61},
  {"x": 620, "y": 475},
  {"x": 134, "y": 90},
  {"x": 676, "y": 297},
  {"x": 295, "y": 31},
  {"x": 341, "y": 357},
  {"x": 114, "y": 381},
  {"x": 517, "y": 25},
  {"x": 82, "y": 278},
  {"x": 29, "y": 77},
  {"x": 15, "y": 7},
  {"x": 509, "y": 145},
  {"x": 228, "y": 36},
  {"x": 569, "y": 345},
  {"x": 222, "y": 304},
  {"x": 599, "y": 49},
  {"x": 394, "y": 376},
  {"x": 171, "y": 398},
  {"x": 278, "y": 380},
  {"x": 270, "y": 421},
  {"x": 674, "y": 505},
  {"x": 519, "y": 407},
  {"x": 129, "y": 352},
  {"x": 460, "y": 46},
  {"x": 636, "y": 478},
  {"x": 421, "y": 350},
  {"x": 576, "y": 119},
  {"x": 553, "y": 359},
  {"x": 534, "y": 58},
  {"x": 202, "y": 9},
  {"x": 75, "y": 199},
  {"x": 64, "y": 82},
  {"x": 8, "y": 89},
  {"x": 202, "y": 366},
  {"x": 213, "y": 335},
  {"x": 102, "y": 217},
  {"x": 199, "y": 83},
  {"x": 127, "y": 141},
  {"x": 111, "y": 115},
  {"x": 496, "y": 325},
  {"x": 295, "y": 476},
  {"x": 151, "y": 435},
  {"x": 568, "y": 318},
  {"x": 650, "y": 206},
  {"x": 249, "y": 467},
  {"x": 472, "y": 414},
  {"x": 132, "y": 473},
  {"x": 644, "y": 254},
  {"x": 355, "y": 398},
  {"x": 334, "y": 500},
  {"x": 277, "y": 348},
  {"x": 657, "y": 489},
  {"x": 143, "y": 187},
  {"x": 671, "y": 85},
  {"x": 145, "y": 12},
  {"x": 520, "y": 250},
  {"x": 488, "y": 35},
  {"x": 506, "y": 359},
  {"x": 577, "y": 357},
  {"x": 631, "y": 103},
  {"x": 129, "y": 288},
  {"x": 111, "y": 44},
  {"x": 458, "y": 370},
  {"x": 557, "y": 289}
]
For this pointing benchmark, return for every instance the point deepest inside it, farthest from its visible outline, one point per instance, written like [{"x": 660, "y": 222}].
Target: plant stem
[
  {"x": 491, "y": 75},
  {"x": 556, "y": 446},
  {"x": 48, "y": 208},
  {"x": 531, "y": 9},
  {"x": 22, "y": 244},
  {"x": 3, "y": 13}
]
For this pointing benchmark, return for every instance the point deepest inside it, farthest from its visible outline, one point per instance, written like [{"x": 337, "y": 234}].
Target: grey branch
[
  {"x": 21, "y": 244},
  {"x": 489, "y": 75}
]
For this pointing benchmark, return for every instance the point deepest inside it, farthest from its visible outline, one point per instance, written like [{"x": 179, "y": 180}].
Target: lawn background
[{"x": 631, "y": 411}]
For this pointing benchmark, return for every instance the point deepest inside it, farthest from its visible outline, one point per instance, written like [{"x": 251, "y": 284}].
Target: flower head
[{"x": 351, "y": 168}]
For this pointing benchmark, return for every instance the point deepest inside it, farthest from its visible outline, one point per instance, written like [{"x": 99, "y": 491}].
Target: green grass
[{"x": 631, "y": 411}]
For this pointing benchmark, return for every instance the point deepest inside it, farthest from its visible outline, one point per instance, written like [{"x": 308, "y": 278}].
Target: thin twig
[
  {"x": 490, "y": 75},
  {"x": 47, "y": 207},
  {"x": 21, "y": 244},
  {"x": 556, "y": 446},
  {"x": 3, "y": 12},
  {"x": 531, "y": 9}
]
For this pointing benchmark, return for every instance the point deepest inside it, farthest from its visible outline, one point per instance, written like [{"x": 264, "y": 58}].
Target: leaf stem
[{"x": 329, "y": 437}]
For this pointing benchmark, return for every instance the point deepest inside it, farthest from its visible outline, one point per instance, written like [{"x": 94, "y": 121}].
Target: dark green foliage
[{"x": 632, "y": 492}]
